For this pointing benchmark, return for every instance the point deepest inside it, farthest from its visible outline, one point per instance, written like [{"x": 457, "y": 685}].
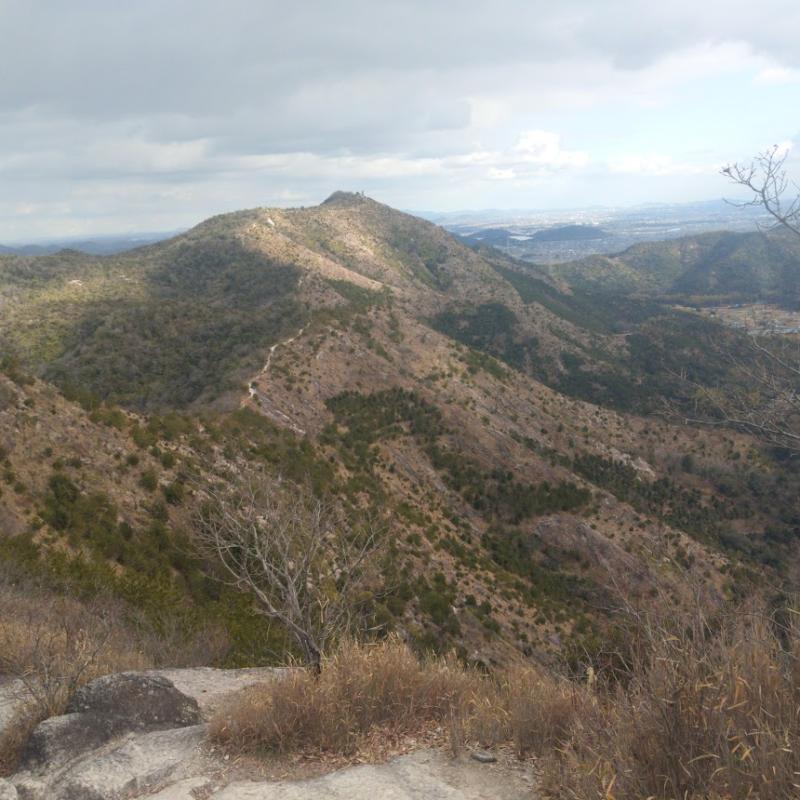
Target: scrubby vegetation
[
  {"x": 53, "y": 643},
  {"x": 162, "y": 327},
  {"x": 698, "y": 707},
  {"x": 490, "y": 328},
  {"x": 713, "y": 268},
  {"x": 685, "y": 705},
  {"x": 510, "y": 511},
  {"x": 383, "y": 689}
]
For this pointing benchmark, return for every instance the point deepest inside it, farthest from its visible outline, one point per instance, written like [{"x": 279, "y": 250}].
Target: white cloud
[
  {"x": 655, "y": 165},
  {"x": 168, "y": 109},
  {"x": 779, "y": 76},
  {"x": 543, "y": 148},
  {"x": 498, "y": 174}
]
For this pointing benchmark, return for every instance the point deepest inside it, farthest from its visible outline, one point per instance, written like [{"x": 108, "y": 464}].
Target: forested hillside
[{"x": 506, "y": 431}]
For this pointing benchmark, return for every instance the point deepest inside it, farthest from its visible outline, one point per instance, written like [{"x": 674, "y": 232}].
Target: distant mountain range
[
  {"x": 710, "y": 268},
  {"x": 504, "y": 238},
  {"x": 567, "y": 235},
  {"x": 98, "y": 246}
]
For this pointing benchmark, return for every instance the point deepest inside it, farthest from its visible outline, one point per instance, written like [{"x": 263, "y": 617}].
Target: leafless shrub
[
  {"x": 49, "y": 646},
  {"x": 14, "y": 736},
  {"x": 53, "y": 645},
  {"x": 305, "y": 563}
]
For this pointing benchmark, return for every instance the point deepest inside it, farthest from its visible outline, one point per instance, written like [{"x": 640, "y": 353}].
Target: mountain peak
[{"x": 342, "y": 198}]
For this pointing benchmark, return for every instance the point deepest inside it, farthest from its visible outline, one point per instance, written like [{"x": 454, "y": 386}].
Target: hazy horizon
[
  {"x": 434, "y": 215},
  {"x": 151, "y": 116}
]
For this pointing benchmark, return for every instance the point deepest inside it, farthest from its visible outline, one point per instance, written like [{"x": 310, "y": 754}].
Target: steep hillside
[
  {"x": 372, "y": 356},
  {"x": 185, "y": 322},
  {"x": 709, "y": 268}
]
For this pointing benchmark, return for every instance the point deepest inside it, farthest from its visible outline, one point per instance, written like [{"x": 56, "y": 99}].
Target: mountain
[
  {"x": 493, "y": 237},
  {"x": 505, "y": 237},
  {"x": 501, "y": 423},
  {"x": 720, "y": 267}
]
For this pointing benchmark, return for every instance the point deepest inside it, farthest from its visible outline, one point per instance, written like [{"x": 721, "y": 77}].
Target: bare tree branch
[
  {"x": 763, "y": 395},
  {"x": 761, "y": 398},
  {"x": 771, "y": 187},
  {"x": 302, "y": 560}
]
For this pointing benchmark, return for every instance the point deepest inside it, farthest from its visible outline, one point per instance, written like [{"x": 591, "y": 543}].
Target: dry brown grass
[
  {"x": 50, "y": 645},
  {"x": 384, "y": 686},
  {"x": 700, "y": 708},
  {"x": 360, "y": 688},
  {"x": 707, "y": 711},
  {"x": 528, "y": 707}
]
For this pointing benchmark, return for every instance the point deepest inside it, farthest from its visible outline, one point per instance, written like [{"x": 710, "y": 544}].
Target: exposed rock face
[
  {"x": 143, "y": 700},
  {"x": 209, "y": 686},
  {"x": 105, "y": 708},
  {"x": 132, "y": 767},
  {"x": 125, "y": 735},
  {"x": 142, "y": 735},
  {"x": 7, "y": 790},
  {"x": 419, "y": 776}
]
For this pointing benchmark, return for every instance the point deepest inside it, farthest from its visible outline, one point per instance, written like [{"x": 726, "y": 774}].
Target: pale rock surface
[
  {"x": 159, "y": 754},
  {"x": 134, "y": 767},
  {"x": 7, "y": 790},
  {"x": 424, "y": 775},
  {"x": 188, "y": 789},
  {"x": 207, "y": 686}
]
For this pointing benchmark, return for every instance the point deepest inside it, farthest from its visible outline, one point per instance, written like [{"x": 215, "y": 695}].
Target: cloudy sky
[{"x": 124, "y": 116}]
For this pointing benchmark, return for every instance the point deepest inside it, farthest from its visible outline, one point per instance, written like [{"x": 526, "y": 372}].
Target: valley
[
  {"x": 552, "y": 237},
  {"x": 483, "y": 480},
  {"x": 399, "y": 400},
  {"x": 512, "y": 431},
  {"x": 759, "y": 319}
]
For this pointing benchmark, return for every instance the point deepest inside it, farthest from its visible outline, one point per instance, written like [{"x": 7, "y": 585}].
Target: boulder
[
  {"x": 142, "y": 700},
  {"x": 138, "y": 766},
  {"x": 105, "y": 708},
  {"x": 59, "y": 739}
]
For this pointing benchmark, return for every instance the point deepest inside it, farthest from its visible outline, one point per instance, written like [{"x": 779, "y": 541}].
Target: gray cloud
[{"x": 103, "y": 99}]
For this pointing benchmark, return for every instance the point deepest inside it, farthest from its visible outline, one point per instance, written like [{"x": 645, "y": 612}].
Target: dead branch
[{"x": 298, "y": 555}]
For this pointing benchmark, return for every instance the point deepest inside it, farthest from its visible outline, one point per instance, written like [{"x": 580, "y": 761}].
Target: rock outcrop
[
  {"x": 144, "y": 735},
  {"x": 107, "y": 708}
]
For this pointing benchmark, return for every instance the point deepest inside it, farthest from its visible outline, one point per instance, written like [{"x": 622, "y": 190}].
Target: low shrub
[
  {"x": 52, "y": 644},
  {"x": 363, "y": 688},
  {"x": 703, "y": 708},
  {"x": 687, "y": 706}
]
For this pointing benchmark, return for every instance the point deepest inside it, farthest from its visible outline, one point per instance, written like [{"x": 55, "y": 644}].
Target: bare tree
[
  {"x": 298, "y": 555},
  {"x": 761, "y": 398},
  {"x": 764, "y": 397},
  {"x": 772, "y": 189}
]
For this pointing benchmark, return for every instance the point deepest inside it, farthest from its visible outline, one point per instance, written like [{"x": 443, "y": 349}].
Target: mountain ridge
[{"x": 497, "y": 414}]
